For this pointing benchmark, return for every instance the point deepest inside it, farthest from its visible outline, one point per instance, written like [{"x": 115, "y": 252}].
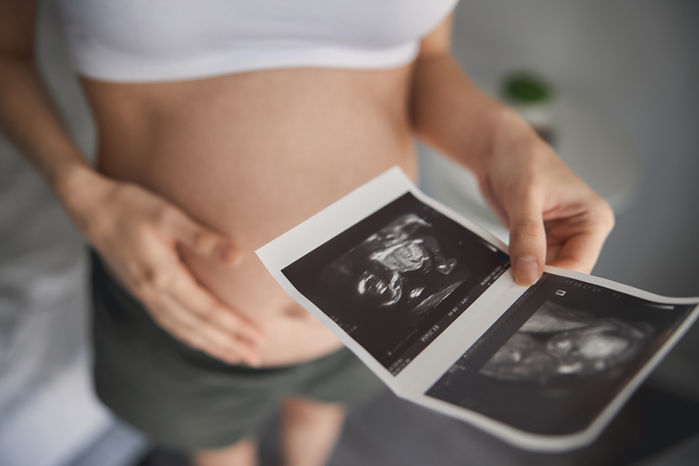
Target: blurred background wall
[{"x": 634, "y": 60}]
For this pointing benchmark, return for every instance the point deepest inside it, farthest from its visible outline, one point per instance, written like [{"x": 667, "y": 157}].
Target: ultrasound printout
[
  {"x": 398, "y": 278},
  {"x": 425, "y": 299},
  {"x": 557, "y": 357}
]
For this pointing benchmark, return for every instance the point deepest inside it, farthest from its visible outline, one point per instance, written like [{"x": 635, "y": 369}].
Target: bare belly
[{"x": 252, "y": 155}]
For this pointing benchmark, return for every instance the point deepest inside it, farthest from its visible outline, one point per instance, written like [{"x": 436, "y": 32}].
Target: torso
[{"x": 251, "y": 155}]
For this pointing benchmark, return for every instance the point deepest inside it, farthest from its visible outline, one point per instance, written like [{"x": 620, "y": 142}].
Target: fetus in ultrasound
[
  {"x": 401, "y": 266},
  {"x": 557, "y": 341}
]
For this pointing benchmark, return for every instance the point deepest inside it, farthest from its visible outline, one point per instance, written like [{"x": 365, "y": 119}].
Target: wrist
[
  {"x": 509, "y": 135},
  {"x": 79, "y": 187},
  {"x": 496, "y": 123},
  {"x": 69, "y": 180}
]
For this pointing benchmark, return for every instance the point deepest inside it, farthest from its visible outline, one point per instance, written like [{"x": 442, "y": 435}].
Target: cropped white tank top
[{"x": 156, "y": 40}]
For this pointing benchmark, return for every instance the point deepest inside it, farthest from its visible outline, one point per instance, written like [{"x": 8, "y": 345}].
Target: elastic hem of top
[{"x": 106, "y": 65}]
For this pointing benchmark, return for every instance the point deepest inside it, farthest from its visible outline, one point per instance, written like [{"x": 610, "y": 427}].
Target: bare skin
[
  {"x": 193, "y": 176},
  {"x": 252, "y": 155}
]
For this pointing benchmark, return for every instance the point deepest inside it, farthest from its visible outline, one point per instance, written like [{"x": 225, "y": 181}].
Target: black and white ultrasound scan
[
  {"x": 393, "y": 280},
  {"x": 425, "y": 298},
  {"x": 552, "y": 361}
]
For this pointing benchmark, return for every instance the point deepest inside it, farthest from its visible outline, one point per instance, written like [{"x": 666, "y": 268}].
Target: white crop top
[{"x": 156, "y": 40}]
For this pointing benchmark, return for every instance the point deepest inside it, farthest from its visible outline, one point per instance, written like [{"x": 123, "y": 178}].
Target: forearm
[
  {"x": 452, "y": 115},
  {"x": 29, "y": 119}
]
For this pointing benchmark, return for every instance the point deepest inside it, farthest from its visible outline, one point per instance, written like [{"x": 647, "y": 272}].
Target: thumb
[
  {"x": 203, "y": 240},
  {"x": 527, "y": 240}
]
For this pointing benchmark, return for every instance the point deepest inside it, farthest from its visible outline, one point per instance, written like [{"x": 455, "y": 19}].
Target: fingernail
[{"x": 526, "y": 270}]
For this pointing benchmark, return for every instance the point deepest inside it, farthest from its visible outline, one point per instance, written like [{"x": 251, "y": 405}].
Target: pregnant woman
[{"x": 223, "y": 123}]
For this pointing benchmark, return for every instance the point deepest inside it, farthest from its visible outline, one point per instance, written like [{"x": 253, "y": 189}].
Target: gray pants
[{"x": 184, "y": 399}]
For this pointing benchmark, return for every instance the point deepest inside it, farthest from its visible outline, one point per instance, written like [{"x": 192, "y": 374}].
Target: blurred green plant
[{"x": 526, "y": 88}]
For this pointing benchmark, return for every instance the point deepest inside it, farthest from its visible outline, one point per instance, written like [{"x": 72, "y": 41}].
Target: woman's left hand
[{"x": 554, "y": 218}]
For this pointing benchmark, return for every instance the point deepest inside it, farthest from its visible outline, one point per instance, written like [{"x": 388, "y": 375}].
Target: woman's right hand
[{"x": 138, "y": 234}]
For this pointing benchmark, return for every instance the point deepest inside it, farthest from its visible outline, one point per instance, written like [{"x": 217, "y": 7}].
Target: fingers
[
  {"x": 138, "y": 238},
  {"x": 578, "y": 253},
  {"x": 202, "y": 335},
  {"x": 579, "y": 249},
  {"x": 193, "y": 315},
  {"x": 574, "y": 241},
  {"x": 527, "y": 236},
  {"x": 189, "y": 294},
  {"x": 199, "y": 238},
  {"x": 544, "y": 204}
]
